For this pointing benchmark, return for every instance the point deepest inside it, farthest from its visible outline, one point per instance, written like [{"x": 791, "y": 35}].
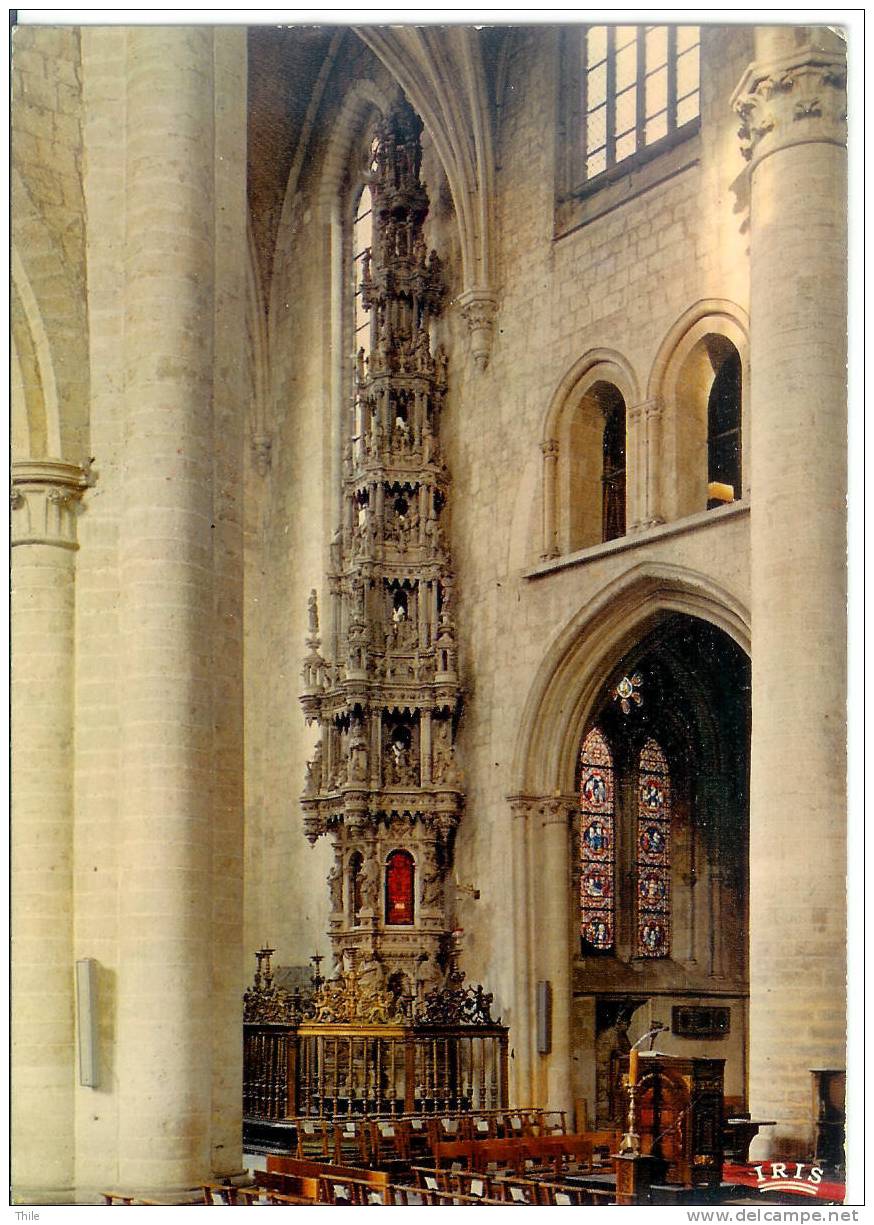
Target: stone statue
[
  {"x": 370, "y": 886},
  {"x": 313, "y": 613},
  {"x": 335, "y": 886},
  {"x": 358, "y": 753},
  {"x": 432, "y": 889},
  {"x": 314, "y": 772}
]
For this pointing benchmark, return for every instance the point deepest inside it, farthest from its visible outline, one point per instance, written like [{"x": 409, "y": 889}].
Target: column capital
[
  {"x": 646, "y": 408},
  {"x": 796, "y": 99},
  {"x": 522, "y": 806},
  {"x": 551, "y": 809},
  {"x": 44, "y": 498},
  {"x": 549, "y": 448}
]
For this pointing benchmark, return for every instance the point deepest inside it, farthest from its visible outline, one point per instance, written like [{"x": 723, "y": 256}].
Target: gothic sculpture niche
[{"x": 383, "y": 783}]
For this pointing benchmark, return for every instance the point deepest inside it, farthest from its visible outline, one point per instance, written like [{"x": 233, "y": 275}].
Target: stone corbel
[
  {"x": 797, "y": 99},
  {"x": 479, "y": 308},
  {"x": 44, "y": 501}
]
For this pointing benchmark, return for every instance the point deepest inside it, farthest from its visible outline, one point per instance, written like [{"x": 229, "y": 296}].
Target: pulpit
[{"x": 679, "y": 1115}]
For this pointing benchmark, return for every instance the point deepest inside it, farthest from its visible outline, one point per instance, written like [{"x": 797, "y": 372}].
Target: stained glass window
[
  {"x": 597, "y": 854},
  {"x": 653, "y": 853},
  {"x": 640, "y": 84}
]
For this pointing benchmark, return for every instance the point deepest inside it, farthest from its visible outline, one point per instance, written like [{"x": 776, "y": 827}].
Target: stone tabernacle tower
[{"x": 384, "y": 783}]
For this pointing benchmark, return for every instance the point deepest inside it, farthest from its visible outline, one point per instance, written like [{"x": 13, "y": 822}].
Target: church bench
[
  {"x": 350, "y": 1141},
  {"x": 279, "y": 1197},
  {"x": 418, "y": 1141},
  {"x": 310, "y": 1174},
  {"x": 562, "y": 1152},
  {"x": 455, "y": 1151},
  {"x": 509, "y": 1153},
  {"x": 354, "y": 1191},
  {"x": 219, "y": 1193},
  {"x": 301, "y": 1188},
  {"x": 408, "y": 1197},
  {"x": 314, "y": 1138},
  {"x": 552, "y": 1123},
  {"x": 113, "y": 1198},
  {"x": 604, "y": 1144},
  {"x": 389, "y": 1143}
]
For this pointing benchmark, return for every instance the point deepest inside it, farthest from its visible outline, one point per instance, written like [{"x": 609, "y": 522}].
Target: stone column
[
  {"x": 521, "y": 1086},
  {"x": 553, "y": 956},
  {"x": 792, "y": 105},
  {"x": 164, "y": 1016},
  {"x": 644, "y": 451},
  {"x": 550, "y": 464},
  {"x": 44, "y": 508}
]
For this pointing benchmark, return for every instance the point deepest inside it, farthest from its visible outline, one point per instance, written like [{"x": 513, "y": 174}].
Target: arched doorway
[
  {"x": 690, "y": 637},
  {"x": 661, "y": 886}
]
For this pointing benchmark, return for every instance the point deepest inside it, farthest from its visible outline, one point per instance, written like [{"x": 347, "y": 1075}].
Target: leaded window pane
[
  {"x": 653, "y": 853},
  {"x": 597, "y": 846},
  {"x": 640, "y": 83}
]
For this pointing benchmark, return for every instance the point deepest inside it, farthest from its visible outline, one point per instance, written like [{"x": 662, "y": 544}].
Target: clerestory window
[{"x": 640, "y": 89}]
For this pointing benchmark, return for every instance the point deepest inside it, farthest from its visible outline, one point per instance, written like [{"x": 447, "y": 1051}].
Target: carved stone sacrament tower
[{"x": 384, "y": 782}]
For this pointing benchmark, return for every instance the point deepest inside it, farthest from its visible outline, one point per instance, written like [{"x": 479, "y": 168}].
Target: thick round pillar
[
  {"x": 792, "y": 104},
  {"x": 44, "y": 495},
  {"x": 164, "y": 1022}
]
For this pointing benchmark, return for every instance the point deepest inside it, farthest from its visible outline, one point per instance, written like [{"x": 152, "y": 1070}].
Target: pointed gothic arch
[{"x": 563, "y": 693}]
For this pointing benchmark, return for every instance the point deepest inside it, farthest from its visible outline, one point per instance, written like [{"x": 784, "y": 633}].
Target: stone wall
[{"x": 620, "y": 282}]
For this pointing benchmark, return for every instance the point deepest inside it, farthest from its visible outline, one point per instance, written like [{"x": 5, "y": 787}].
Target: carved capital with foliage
[{"x": 798, "y": 99}]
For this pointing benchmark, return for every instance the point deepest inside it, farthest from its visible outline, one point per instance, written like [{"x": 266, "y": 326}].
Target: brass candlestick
[{"x": 630, "y": 1142}]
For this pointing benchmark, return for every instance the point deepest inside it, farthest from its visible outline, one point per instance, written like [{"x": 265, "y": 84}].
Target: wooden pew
[
  {"x": 351, "y": 1141},
  {"x": 309, "y": 1173},
  {"x": 389, "y": 1143},
  {"x": 408, "y": 1197},
  {"x": 313, "y": 1138},
  {"x": 455, "y": 1151},
  {"x": 561, "y": 1152},
  {"x": 294, "y": 1187},
  {"x": 507, "y": 1154},
  {"x": 353, "y": 1191}
]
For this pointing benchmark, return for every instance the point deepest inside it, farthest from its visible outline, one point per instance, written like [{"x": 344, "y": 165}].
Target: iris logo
[{"x": 779, "y": 1176}]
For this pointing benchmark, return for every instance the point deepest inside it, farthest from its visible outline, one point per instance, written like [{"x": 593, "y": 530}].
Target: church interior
[{"x": 428, "y": 524}]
